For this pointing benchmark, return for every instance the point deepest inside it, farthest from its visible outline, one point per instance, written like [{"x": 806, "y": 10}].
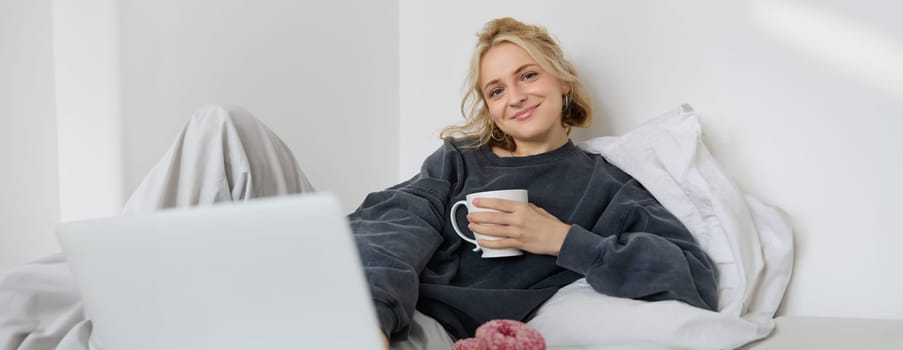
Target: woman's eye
[
  {"x": 529, "y": 75},
  {"x": 495, "y": 92}
]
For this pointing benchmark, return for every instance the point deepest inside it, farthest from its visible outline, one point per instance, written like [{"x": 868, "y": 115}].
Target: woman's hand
[{"x": 521, "y": 225}]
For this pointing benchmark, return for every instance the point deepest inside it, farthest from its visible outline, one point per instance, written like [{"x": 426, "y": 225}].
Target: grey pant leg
[
  {"x": 426, "y": 334},
  {"x": 222, "y": 154}
]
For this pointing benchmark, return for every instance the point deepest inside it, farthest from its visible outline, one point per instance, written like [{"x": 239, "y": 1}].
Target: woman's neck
[{"x": 528, "y": 148}]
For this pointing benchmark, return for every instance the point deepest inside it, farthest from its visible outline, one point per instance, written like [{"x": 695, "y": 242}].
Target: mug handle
[{"x": 454, "y": 223}]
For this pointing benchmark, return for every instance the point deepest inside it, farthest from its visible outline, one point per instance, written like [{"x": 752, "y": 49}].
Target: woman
[{"x": 586, "y": 218}]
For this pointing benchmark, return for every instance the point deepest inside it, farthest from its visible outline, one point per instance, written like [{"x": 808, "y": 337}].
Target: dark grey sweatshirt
[{"x": 621, "y": 239}]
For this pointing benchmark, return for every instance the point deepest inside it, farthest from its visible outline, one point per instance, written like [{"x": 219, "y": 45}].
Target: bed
[{"x": 750, "y": 241}]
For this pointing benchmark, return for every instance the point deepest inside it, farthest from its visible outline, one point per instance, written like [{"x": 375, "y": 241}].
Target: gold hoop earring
[{"x": 499, "y": 139}]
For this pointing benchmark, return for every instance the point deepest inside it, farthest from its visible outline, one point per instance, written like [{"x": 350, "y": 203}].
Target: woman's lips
[{"x": 524, "y": 114}]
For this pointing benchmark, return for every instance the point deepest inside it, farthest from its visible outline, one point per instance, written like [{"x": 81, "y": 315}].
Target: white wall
[
  {"x": 323, "y": 75},
  {"x": 86, "y": 67},
  {"x": 28, "y": 170},
  {"x": 800, "y": 101}
]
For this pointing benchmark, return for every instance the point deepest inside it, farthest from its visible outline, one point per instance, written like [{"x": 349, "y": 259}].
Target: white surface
[
  {"x": 86, "y": 67},
  {"x": 28, "y": 162},
  {"x": 230, "y": 276},
  {"x": 788, "y": 123},
  {"x": 793, "y": 333}
]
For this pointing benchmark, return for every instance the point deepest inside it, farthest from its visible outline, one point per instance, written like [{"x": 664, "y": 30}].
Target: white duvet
[{"x": 751, "y": 243}]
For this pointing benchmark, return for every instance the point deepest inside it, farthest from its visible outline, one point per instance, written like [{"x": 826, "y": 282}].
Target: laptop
[{"x": 280, "y": 273}]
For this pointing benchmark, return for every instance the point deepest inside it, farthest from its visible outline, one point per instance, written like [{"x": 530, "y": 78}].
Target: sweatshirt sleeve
[
  {"x": 397, "y": 231},
  {"x": 639, "y": 250}
]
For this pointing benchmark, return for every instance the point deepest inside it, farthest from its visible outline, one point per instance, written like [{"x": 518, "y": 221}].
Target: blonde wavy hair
[{"x": 537, "y": 42}]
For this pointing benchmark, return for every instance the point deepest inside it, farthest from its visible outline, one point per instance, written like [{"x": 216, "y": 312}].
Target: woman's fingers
[
  {"x": 500, "y": 243},
  {"x": 494, "y": 230},
  {"x": 492, "y": 218},
  {"x": 505, "y": 205}
]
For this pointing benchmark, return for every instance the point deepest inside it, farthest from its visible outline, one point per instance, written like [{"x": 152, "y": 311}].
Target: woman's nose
[{"x": 516, "y": 97}]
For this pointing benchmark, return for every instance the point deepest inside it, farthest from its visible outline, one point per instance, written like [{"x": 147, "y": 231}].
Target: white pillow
[
  {"x": 668, "y": 157},
  {"x": 740, "y": 234}
]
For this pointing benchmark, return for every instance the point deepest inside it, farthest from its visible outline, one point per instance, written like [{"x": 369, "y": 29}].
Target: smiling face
[{"x": 524, "y": 100}]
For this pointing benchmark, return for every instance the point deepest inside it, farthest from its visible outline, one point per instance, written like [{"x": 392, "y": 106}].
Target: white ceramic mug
[{"x": 515, "y": 195}]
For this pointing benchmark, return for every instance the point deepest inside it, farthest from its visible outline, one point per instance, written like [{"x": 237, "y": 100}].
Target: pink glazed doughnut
[
  {"x": 510, "y": 335},
  {"x": 470, "y": 344}
]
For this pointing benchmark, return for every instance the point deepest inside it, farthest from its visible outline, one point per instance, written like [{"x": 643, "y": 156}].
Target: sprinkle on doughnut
[{"x": 510, "y": 335}]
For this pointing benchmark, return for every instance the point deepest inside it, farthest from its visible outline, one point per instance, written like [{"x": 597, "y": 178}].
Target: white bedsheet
[{"x": 40, "y": 308}]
